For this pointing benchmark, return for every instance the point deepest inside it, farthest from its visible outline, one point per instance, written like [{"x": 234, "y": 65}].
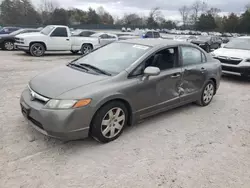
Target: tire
[
  {"x": 74, "y": 51},
  {"x": 207, "y": 94},
  {"x": 86, "y": 48},
  {"x": 37, "y": 49},
  {"x": 8, "y": 45},
  {"x": 105, "y": 126}
]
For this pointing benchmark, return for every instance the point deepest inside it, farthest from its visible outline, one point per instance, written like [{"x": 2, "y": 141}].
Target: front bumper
[
  {"x": 236, "y": 70},
  {"x": 21, "y": 47},
  {"x": 68, "y": 124}
]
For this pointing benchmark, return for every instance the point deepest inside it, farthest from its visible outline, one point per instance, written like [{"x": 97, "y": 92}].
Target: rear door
[
  {"x": 194, "y": 73},
  {"x": 59, "y": 40},
  {"x": 104, "y": 39}
]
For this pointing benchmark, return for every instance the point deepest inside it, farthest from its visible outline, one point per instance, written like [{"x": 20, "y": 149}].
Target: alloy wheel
[
  {"x": 9, "y": 46},
  {"x": 208, "y": 93},
  {"x": 113, "y": 122},
  {"x": 86, "y": 49},
  {"x": 37, "y": 50}
]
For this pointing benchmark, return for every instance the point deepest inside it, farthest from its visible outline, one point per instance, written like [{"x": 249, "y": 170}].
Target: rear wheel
[
  {"x": 109, "y": 122},
  {"x": 37, "y": 49},
  {"x": 207, "y": 94},
  {"x": 9, "y": 45},
  {"x": 86, "y": 48}
]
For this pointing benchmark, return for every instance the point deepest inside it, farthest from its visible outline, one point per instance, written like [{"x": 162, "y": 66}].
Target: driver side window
[
  {"x": 60, "y": 32},
  {"x": 164, "y": 60}
]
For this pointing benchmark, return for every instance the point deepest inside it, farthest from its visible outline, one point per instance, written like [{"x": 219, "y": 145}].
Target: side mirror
[{"x": 151, "y": 71}]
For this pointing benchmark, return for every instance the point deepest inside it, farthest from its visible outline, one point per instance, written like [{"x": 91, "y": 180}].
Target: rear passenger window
[
  {"x": 60, "y": 32},
  {"x": 191, "y": 56},
  {"x": 156, "y": 35}
]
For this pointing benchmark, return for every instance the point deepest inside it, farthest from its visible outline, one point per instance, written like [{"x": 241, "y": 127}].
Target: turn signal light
[{"x": 82, "y": 103}]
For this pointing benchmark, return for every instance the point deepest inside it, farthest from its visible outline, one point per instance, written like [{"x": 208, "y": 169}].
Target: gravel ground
[{"x": 189, "y": 147}]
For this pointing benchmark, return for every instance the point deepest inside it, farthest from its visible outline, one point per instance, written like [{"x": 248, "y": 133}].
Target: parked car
[
  {"x": 105, "y": 38},
  {"x": 8, "y": 30},
  {"x": 225, "y": 40},
  {"x": 235, "y": 57},
  {"x": 123, "y": 29},
  {"x": 151, "y": 34},
  {"x": 185, "y": 38},
  {"x": 101, "y": 92},
  {"x": 7, "y": 41},
  {"x": 83, "y": 33},
  {"x": 55, "y": 38},
  {"x": 208, "y": 42},
  {"x": 129, "y": 29}
]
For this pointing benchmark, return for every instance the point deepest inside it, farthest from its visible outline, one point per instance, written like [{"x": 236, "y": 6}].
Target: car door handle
[
  {"x": 176, "y": 75},
  {"x": 67, "y": 39}
]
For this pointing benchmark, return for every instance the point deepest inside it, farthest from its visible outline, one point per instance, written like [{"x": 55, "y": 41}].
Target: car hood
[
  {"x": 237, "y": 53},
  {"x": 35, "y": 34},
  {"x": 58, "y": 81}
]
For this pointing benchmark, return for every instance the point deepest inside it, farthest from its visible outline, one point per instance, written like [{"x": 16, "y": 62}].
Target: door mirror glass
[{"x": 152, "y": 71}]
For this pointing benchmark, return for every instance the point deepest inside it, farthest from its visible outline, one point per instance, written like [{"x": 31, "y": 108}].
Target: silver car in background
[{"x": 117, "y": 85}]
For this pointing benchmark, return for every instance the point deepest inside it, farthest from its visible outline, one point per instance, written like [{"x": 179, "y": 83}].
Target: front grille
[
  {"x": 228, "y": 60},
  {"x": 231, "y": 69},
  {"x": 36, "y": 123},
  {"x": 19, "y": 41}
]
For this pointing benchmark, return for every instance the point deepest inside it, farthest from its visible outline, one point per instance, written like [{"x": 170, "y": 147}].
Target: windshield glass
[
  {"x": 76, "y": 32},
  {"x": 204, "y": 37},
  {"x": 17, "y": 32},
  {"x": 239, "y": 43},
  {"x": 114, "y": 57},
  {"x": 47, "y": 30}
]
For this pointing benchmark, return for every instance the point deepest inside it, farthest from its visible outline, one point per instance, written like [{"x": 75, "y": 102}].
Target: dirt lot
[{"x": 189, "y": 147}]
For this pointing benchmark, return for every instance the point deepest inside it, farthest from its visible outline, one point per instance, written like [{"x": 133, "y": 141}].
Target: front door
[
  {"x": 159, "y": 93},
  {"x": 59, "y": 40},
  {"x": 193, "y": 73}
]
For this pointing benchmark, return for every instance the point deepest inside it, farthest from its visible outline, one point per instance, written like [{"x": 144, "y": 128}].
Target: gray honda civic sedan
[{"x": 102, "y": 92}]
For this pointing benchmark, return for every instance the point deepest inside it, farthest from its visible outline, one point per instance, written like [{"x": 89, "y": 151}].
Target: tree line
[
  {"x": 201, "y": 17},
  {"x": 197, "y": 16}
]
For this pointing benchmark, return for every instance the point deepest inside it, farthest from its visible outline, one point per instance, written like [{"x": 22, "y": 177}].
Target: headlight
[
  {"x": 212, "y": 54},
  {"x": 66, "y": 104}
]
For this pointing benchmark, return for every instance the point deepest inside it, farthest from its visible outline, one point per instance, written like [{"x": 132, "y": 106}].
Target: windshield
[
  {"x": 239, "y": 43},
  {"x": 17, "y": 32},
  {"x": 47, "y": 30},
  {"x": 114, "y": 57},
  {"x": 204, "y": 37}
]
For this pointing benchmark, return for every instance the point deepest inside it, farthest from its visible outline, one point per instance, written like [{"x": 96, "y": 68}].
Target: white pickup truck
[{"x": 58, "y": 38}]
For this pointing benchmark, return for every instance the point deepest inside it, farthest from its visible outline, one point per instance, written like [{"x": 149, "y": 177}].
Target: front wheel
[
  {"x": 109, "y": 122},
  {"x": 9, "y": 45},
  {"x": 86, "y": 48},
  {"x": 207, "y": 94},
  {"x": 37, "y": 50}
]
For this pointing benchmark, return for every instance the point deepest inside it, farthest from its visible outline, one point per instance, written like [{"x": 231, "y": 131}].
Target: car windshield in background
[
  {"x": 239, "y": 43},
  {"x": 47, "y": 30},
  {"x": 17, "y": 32},
  {"x": 204, "y": 38},
  {"x": 114, "y": 57},
  {"x": 96, "y": 35}
]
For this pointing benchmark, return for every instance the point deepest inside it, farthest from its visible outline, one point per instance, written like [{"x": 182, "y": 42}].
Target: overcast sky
[{"x": 168, "y": 7}]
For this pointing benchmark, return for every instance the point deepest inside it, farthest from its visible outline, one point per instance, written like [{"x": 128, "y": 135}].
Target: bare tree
[
  {"x": 185, "y": 11},
  {"x": 197, "y": 8},
  {"x": 46, "y": 8}
]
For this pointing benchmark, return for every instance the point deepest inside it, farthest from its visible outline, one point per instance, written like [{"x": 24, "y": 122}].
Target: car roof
[{"x": 155, "y": 42}]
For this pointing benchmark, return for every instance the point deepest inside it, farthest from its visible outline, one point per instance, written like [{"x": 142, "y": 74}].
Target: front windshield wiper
[
  {"x": 78, "y": 66},
  {"x": 95, "y": 69}
]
